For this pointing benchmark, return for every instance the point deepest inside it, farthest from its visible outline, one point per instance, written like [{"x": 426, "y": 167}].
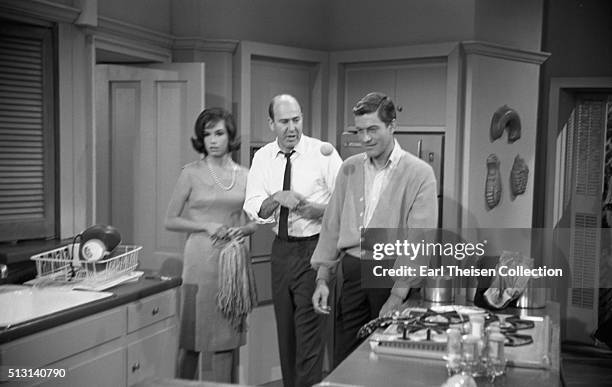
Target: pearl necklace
[{"x": 218, "y": 181}]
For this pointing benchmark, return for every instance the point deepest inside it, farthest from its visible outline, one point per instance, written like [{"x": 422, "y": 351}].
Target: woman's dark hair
[
  {"x": 376, "y": 102},
  {"x": 209, "y": 118}
]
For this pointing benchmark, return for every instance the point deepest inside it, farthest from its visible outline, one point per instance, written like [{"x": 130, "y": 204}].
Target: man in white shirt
[{"x": 290, "y": 183}]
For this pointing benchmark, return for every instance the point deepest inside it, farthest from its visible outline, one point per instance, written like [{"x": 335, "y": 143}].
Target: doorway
[
  {"x": 582, "y": 204},
  {"x": 144, "y": 119}
]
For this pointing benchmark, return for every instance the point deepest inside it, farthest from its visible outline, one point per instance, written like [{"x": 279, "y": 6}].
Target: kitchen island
[
  {"x": 120, "y": 340},
  {"x": 364, "y": 367}
]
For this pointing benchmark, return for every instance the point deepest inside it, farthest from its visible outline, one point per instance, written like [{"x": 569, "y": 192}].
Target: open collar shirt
[
  {"x": 313, "y": 175},
  {"x": 377, "y": 179}
]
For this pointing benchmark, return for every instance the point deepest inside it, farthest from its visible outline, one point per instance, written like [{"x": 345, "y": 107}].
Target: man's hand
[
  {"x": 391, "y": 305},
  {"x": 319, "y": 298},
  {"x": 310, "y": 210},
  {"x": 289, "y": 199}
]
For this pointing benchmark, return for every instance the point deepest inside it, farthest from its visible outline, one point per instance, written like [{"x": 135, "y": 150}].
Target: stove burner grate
[{"x": 433, "y": 322}]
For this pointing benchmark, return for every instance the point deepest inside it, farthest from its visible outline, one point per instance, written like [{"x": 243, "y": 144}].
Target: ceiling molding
[
  {"x": 205, "y": 45},
  {"x": 46, "y": 10},
  {"x": 504, "y": 52},
  {"x": 133, "y": 48},
  {"x": 113, "y": 27}
]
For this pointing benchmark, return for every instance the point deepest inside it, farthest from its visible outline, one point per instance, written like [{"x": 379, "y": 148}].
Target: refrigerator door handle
[{"x": 420, "y": 148}]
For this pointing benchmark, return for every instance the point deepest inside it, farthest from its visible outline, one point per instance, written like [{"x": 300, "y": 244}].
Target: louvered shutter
[
  {"x": 27, "y": 165},
  {"x": 586, "y": 170}
]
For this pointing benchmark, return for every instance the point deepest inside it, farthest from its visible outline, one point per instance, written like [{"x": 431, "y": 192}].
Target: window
[{"x": 27, "y": 131}]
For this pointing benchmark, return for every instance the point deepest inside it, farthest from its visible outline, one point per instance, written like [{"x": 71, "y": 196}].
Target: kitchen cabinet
[
  {"x": 120, "y": 346},
  {"x": 417, "y": 87},
  {"x": 361, "y": 80}
]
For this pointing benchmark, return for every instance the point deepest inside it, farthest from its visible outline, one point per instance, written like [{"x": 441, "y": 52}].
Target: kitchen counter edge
[{"x": 123, "y": 294}]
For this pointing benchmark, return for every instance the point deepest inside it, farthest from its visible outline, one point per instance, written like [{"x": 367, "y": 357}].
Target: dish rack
[{"x": 63, "y": 265}]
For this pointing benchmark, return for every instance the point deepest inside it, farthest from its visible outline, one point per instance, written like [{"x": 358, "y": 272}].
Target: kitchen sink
[{"x": 19, "y": 303}]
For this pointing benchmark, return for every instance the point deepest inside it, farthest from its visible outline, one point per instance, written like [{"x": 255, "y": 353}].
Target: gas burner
[
  {"x": 383, "y": 322},
  {"x": 509, "y": 323},
  {"x": 418, "y": 324},
  {"x": 424, "y": 334},
  {"x": 441, "y": 319},
  {"x": 516, "y": 340}
]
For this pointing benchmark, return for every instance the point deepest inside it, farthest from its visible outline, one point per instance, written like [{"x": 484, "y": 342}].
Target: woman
[{"x": 207, "y": 204}]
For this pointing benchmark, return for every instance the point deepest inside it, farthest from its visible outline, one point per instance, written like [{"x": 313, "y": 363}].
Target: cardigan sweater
[{"x": 408, "y": 201}]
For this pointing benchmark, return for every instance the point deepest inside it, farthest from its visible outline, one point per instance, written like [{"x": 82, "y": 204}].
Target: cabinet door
[
  {"x": 153, "y": 356},
  {"x": 421, "y": 95},
  {"x": 361, "y": 81},
  {"x": 97, "y": 367}
]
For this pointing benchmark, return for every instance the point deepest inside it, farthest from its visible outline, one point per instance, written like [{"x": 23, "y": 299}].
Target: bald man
[{"x": 289, "y": 185}]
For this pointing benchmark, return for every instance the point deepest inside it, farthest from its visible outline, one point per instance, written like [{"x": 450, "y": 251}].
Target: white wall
[
  {"x": 151, "y": 14},
  {"x": 296, "y": 23},
  {"x": 486, "y": 91},
  {"x": 516, "y": 23},
  {"x": 353, "y": 24},
  {"x": 364, "y": 23}
]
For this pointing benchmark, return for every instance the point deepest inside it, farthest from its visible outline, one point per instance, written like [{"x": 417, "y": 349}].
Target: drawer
[
  {"x": 152, "y": 309},
  {"x": 57, "y": 343}
]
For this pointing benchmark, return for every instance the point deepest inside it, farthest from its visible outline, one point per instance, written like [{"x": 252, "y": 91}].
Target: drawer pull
[
  {"x": 155, "y": 311},
  {"x": 135, "y": 367}
]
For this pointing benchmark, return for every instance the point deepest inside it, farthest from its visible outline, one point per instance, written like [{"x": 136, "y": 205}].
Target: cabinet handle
[
  {"x": 135, "y": 367},
  {"x": 155, "y": 311}
]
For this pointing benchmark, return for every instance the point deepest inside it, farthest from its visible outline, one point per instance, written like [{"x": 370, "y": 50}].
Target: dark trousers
[
  {"x": 298, "y": 327},
  {"x": 356, "y": 306}
]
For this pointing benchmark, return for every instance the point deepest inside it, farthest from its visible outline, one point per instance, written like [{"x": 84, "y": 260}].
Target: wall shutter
[
  {"x": 585, "y": 162},
  {"x": 27, "y": 165}
]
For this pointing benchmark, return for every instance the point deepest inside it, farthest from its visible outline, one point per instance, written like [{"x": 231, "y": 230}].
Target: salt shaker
[
  {"x": 470, "y": 354},
  {"x": 453, "y": 351},
  {"x": 496, "y": 364},
  {"x": 478, "y": 331}
]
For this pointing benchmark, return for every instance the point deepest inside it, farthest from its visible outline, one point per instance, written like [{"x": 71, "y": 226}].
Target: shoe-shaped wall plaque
[
  {"x": 493, "y": 186},
  {"x": 505, "y": 118},
  {"x": 518, "y": 177}
]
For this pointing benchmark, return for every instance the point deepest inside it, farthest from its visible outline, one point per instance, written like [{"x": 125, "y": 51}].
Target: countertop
[
  {"x": 123, "y": 294},
  {"x": 366, "y": 368}
]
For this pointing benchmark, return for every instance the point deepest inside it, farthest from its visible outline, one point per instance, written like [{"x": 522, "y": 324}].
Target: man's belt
[{"x": 300, "y": 239}]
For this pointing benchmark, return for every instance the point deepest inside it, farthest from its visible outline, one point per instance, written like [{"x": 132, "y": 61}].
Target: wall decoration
[
  {"x": 493, "y": 186},
  {"x": 518, "y": 177},
  {"x": 505, "y": 118}
]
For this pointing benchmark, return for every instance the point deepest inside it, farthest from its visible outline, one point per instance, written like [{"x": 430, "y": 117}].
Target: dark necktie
[{"x": 283, "y": 220}]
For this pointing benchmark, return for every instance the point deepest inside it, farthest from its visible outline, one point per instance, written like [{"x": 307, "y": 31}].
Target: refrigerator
[{"x": 428, "y": 146}]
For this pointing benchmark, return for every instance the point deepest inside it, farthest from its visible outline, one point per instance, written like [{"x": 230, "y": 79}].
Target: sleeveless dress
[{"x": 203, "y": 327}]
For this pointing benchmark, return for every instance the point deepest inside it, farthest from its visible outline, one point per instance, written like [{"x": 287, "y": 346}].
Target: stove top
[
  {"x": 422, "y": 332},
  {"x": 420, "y": 324}
]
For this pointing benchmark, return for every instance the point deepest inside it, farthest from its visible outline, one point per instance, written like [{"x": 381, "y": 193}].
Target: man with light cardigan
[
  {"x": 385, "y": 187},
  {"x": 289, "y": 184}
]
